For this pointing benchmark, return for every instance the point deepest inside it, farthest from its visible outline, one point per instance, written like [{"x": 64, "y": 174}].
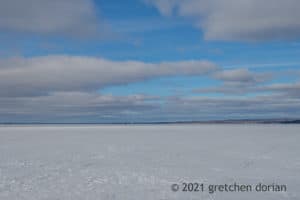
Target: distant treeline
[{"x": 238, "y": 121}]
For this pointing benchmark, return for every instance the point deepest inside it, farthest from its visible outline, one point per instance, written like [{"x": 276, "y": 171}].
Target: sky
[{"x": 100, "y": 61}]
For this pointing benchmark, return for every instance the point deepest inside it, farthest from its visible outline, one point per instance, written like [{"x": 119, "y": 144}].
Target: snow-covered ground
[{"x": 142, "y": 162}]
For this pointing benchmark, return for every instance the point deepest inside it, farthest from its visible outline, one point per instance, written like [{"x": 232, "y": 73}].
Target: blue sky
[{"x": 148, "y": 60}]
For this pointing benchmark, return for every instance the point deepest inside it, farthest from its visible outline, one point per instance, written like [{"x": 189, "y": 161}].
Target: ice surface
[{"x": 142, "y": 162}]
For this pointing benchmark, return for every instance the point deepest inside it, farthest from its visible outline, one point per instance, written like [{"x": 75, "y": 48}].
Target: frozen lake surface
[{"x": 142, "y": 162}]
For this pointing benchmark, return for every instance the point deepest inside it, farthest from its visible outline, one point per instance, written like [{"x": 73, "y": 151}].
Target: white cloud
[
  {"x": 241, "y": 75},
  {"x": 41, "y": 75},
  {"x": 73, "y": 106},
  {"x": 286, "y": 89},
  {"x": 65, "y": 17},
  {"x": 259, "y": 106},
  {"x": 92, "y": 107},
  {"x": 237, "y": 81},
  {"x": 238, "y": 20}
]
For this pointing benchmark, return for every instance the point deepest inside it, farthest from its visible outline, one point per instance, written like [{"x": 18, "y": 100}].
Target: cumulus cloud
[
  {"x": 286, "y": 89},
  {"x": 41, "y": 75},
  {"x": 259, "y": 106},
  {"x": 66, "y": 89},
  {"x": 65, "y": 17},
  {"x": 243, "y": 82},
  {"x": 88, "y": 107},
  {"x": 73, "y": 107},
  {"x": 237, "y": 81},
  {"x": 238, "y": 20},
  {"x": 241, "y": 75}
]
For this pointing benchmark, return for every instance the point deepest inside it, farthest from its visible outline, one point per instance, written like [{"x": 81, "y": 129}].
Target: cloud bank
[
  {"x": 238, "y": 20},
  {"x": 42, "y": 75},
  {"x": 68, "y": 89},
  {"x": 237, "y": 81},
  {"x": 91, "y": 107},
  {"x": 76, "y": 18}
]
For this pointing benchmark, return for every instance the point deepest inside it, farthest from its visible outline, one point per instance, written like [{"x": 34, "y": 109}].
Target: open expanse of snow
[{"x": 142, "y": 162}]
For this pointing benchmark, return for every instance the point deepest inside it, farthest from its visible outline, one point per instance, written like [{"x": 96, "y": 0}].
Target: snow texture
[{"x": 134, "y": 162}]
